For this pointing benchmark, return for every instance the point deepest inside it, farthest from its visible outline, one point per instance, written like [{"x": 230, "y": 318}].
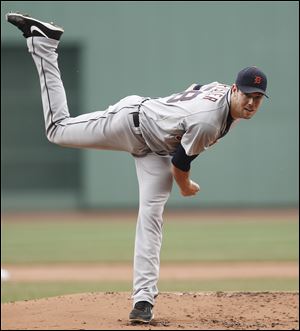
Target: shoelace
[{"x": 142, "y": 305}]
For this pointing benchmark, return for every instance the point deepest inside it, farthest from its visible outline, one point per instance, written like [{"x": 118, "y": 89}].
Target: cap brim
[{"x": 248, "y": 89}]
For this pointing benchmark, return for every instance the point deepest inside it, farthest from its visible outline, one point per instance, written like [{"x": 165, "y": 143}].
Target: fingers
[{"x": 192, "y": 190}]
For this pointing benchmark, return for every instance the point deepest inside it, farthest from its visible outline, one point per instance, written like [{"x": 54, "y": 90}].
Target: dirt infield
[
  {"x": 169, "y": 271},
  {"x": 172, "y": 214},
  {"x": 173, "y": 311}
]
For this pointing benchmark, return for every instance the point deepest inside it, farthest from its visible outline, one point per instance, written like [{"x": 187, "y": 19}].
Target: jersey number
[{"x": 184, "y": 96}]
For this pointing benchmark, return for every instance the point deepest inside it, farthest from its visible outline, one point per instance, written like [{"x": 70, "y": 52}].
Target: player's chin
[{"x": 247, "y": 115}]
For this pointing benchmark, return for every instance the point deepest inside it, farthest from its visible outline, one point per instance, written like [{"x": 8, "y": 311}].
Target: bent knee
[{"x": 54, "y": 135}]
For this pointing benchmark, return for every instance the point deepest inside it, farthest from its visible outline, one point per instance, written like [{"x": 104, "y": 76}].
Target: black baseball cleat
[
  {"x": 32, "y": 27},
  {"x": 141, "y": 313}
]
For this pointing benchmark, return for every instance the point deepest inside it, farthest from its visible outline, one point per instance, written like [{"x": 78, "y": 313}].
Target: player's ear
[{"x": 234, "y": 88}]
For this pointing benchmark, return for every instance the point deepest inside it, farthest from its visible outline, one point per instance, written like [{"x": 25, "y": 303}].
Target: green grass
[
  {"x": 16, "y": 291},
  {"x": 61, "y": 241},
  {"x": 186, "y": 241},
  {"x": 258, "y": 240}
]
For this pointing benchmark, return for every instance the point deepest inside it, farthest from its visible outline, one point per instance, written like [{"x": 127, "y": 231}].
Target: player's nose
[{"x": 250, "y": 101}]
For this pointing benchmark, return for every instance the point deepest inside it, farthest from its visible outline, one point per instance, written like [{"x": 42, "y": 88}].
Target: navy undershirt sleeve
[
  {"x": 197, "y": 87},
  {"x": 182, "y": 161}
]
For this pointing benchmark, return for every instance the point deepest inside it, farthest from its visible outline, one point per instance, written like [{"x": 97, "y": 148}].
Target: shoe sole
[
  {"x": 47, "y": 25},
  {"x": 140, "y": 320}
]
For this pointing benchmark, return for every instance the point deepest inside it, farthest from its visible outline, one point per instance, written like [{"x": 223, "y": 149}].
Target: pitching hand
[{"x": 191, "y": 189}]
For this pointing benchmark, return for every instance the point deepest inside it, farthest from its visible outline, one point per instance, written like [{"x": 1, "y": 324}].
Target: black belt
[
  {"x": 136, "y": 115},
  {"x": 136, "y": 119}
]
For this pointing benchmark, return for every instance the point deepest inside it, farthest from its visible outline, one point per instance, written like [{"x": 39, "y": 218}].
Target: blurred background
[
  {"x": 113, "y": 49},
  {"x": 54, "y": 199}
]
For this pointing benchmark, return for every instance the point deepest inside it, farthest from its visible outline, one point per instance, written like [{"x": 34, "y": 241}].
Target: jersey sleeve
[{"x": 198, "y": 138}]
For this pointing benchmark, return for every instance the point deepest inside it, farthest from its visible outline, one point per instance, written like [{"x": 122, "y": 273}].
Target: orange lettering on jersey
[
  {"x": 257, "y": 80},
  {"x": 210, "y": 98}
]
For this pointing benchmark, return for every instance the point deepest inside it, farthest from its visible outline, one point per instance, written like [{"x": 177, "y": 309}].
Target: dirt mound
[{"x": 173, "y": 311}]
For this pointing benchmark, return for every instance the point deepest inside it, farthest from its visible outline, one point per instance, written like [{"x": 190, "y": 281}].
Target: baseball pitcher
[{"x": 164, "y": 135}]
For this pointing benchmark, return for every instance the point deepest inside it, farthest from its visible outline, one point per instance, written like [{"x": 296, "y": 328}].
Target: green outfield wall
[{"x": 113, "y": 49}]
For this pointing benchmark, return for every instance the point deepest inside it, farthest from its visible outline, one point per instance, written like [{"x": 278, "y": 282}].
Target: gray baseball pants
[{"x": 112, "y": 129}]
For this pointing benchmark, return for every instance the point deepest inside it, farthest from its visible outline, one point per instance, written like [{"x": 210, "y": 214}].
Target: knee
[
  {"x": 53, "y": 135},
  {"x": 153, "y": 209}
]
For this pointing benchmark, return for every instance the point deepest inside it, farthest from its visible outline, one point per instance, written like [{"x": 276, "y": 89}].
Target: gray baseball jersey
[{"x": 197, "y": 118}]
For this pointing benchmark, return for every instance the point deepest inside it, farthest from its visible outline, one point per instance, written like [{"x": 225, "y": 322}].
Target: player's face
[{"x": 245, "y": 105}]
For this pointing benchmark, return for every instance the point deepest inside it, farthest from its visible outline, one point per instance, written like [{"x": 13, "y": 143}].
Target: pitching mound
[{"x": 173, "y": 311}]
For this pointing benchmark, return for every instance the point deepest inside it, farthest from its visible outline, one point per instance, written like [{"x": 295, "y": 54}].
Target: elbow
[{"x": 181, "y": 167}]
